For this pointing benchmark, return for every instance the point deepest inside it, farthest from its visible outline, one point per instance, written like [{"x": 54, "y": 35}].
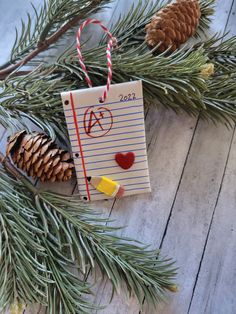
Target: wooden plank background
[{"x": 191, "y": 212}]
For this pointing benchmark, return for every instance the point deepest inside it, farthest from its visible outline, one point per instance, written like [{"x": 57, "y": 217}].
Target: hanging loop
[{"x": 110, "y": 44}]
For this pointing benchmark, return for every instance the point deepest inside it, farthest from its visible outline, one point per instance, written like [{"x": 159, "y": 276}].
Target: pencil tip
[{"x": 89, "y": 179}]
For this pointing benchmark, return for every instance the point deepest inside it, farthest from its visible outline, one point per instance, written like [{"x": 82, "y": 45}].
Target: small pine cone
[
  {"x": 38, "y": 156},
  {"x": 173, "y": 25}
]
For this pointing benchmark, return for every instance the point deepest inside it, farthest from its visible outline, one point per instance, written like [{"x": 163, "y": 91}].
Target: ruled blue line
[
  {"x": 119, "y": 172},
  {"x": 139, "y": 177},
  {"x": 143, "y": 188},
  {"x": 115, "y": 116},
  {"x": 120, "y": 115},
  {"x": 114, "y": 122},
  {"x": 120, "y": 108},
  {"x": 105, "y": 154},
  {"x": 128, "y": 185},
  {"x": 108, "y": 103},
  {"x": 116, "y": 146},
  {"x": 132, "y": 189},
  {"x": 75, "y": 140},
  {"x": 122, "y": 133},
  {"x": 113, "y": 166},
  {"x": 115, "y": 128},
  {"x": 131, "y": 178},
  {"x": 104, "y": 142},
  {"x": 106, "y": 160}
]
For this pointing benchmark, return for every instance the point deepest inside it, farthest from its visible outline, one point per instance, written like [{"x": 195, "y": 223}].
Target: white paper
[{"x": 98, "y": 131}]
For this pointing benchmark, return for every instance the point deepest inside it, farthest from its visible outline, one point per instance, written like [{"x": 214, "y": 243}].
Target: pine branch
[
  {"x": 29, "y": 273},
  {"x": 52, "y": 22},
  {"x": 220, "y": 98},
  {"x": 207, "y": 10},
  {"x": 63, "y": 232},
  {"x": 20, "y": 271},
  {"x": 174, "y": 87},
  {"x": 66, "y": 292},
  {"x": 16, "y": 121},
  {"x": 130, "y": 27},
  {"x": 222, "y": 53},
  {"x": 142, "y": 271},
  {"x": 49, "y": 27},
  {"x": 174, "y": 80}
]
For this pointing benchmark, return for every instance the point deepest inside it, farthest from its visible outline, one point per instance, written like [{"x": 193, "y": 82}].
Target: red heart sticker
[{"x": 125, "y": 161}]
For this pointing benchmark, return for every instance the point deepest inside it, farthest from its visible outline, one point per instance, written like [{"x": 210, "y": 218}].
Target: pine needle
[
  {"x": 174, "y": 80},
  {"x": 44, "y": 235}
]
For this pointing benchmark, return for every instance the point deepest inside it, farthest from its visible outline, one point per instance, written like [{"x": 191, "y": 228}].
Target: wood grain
[
  {"x": 216, "y": 275},
  {"x": 191, "y": 211},
  {"x": 146, "y": 216},
  {"x": 11, "y": 12},
  {"x": 192, "y": 214},
  {"x": 144, "y": 224},
  {"x": 193, "y": 208},
  {"x": 214, "y": 291}
]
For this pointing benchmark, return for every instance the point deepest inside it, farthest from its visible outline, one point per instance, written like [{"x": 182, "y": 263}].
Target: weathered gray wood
[
  {"x": 141, "y": 216},
  {"x": 190, "y": 203},
  {"x": 215, "y": 292},
  {"x": 35, "y": 309},
  {"x": 2, "y": 133},
  {"x": 146, "y": 215},
  {"x": 230, "y": 26},
  {"x": 221, "y": 15},
  {"x": 195, "y": 202},
  {"x": 193, "y": 208},
  {"x": 11, "y": 12},
  {"x": 3, "y": 139}
]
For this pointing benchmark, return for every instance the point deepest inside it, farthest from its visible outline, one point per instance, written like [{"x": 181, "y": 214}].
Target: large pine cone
[
  {"x": 173, "y": 25},
  {"x": 39, "y": 156}
]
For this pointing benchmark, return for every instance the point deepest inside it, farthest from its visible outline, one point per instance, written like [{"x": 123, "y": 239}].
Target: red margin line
[{"x": 80, "y": 145}]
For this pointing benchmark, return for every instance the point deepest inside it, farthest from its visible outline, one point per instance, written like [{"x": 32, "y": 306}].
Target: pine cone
[
  {"x": 173, "y": 25},
  {"x": 39, "y": 156}
]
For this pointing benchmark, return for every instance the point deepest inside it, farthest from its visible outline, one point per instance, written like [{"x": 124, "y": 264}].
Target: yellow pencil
[{"x": 107, "y": 186}]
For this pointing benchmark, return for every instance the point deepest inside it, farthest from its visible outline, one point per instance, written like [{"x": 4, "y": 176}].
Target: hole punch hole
[
  {"x": 101, "y": 100},
  {"x": 77, "y": 155},
  {"x": 66, "y": 102},
  {"x": 85, "y": 198}
]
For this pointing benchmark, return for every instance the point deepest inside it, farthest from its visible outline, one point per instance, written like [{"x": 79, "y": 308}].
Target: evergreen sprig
[
  {"x": 174, "y": 80},
  {"x": 31, "y": 272},
  {"x": 44, "y": 28},
  {"x": 44, "y": 236},
  {"x": 49, "y": 242},
  {"x": 207, "y": 10},
  {"x": 222, "y": 53},
  {"x": 220, "y": 97}
]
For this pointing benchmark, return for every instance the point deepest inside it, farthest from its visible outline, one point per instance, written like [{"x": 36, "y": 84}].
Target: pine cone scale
[
  {"x": 48, "y": 166},
  {"x": 60, "y": 176},
  {"x": 39, "y": 157},
  {"x": 56, "y": 161},
  {"x": 172, "y": 26}
]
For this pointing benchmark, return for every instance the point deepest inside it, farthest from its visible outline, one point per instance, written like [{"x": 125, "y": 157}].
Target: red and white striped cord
[{"x": 108, "y": 53}]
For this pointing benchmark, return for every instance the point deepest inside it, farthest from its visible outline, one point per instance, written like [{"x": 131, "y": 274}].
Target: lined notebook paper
[{"x": 98, "y": 131}]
